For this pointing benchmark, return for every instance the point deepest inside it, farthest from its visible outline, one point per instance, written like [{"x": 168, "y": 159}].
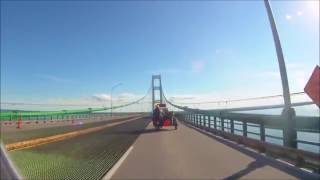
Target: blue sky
[{"x": 214, "y": 49}]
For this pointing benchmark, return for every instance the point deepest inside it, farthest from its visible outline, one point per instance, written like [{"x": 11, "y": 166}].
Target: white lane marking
[{"x": 117, "y": 165}]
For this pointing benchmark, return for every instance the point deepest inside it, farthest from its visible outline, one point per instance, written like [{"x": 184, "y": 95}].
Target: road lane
[
  {"x": 188, "y": 154},
  {"x": 83, "y": 157},
  {"x": 60, "y": 137},
  {"x": 12, "y": 135}
]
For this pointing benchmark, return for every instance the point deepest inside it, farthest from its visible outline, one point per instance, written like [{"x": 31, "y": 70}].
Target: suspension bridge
[
  {"x": 221, "y": 143},
  {"x": 225, "y": 139}
]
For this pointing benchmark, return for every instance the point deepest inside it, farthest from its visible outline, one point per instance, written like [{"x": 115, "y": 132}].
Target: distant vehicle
[{"x": 162, "y": 117}]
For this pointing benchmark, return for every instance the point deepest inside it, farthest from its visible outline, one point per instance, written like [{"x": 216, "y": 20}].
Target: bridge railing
[
  {"x": 230, "y": 121},
  {"x": 255, "y": 130},
  {"x": 239, "y": 126}
]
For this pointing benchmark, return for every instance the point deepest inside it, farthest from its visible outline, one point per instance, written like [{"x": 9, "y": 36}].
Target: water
[
  {"x": 309, "y": 110},
  {"x": 272, "y": 135}
]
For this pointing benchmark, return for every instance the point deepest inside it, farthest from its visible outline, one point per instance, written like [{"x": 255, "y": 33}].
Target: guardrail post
[
  {"x": 197, "y": 116},
  {"x": 206, "y": 121},
  {"x": 215, "y": 122},
  {"x": 209, "y": 121},
  {"x": 289, "y": 132},
  {"x": 262, "y": 133},
  {"x": 232, "y": 126},
  {"x": 244, "y": 128},
  {"x": 193, "y": 119},
  {"x": 222, "y": 124},
  {"x": 202, "y": 120}
]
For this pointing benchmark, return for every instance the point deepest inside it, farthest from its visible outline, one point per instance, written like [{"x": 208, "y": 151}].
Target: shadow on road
[
  {"x": 260, "y": 160},
  {"x": 251, "y": 167},
  {"x": 145, "y": 131}
]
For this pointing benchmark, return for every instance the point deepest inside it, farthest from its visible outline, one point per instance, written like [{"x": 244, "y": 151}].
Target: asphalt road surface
[
  {"x": 87, "y": 156},
  {"x": 42, "y": 123},
  {"x": 10, "y": 134},
  {"x": 188, "y": 154}
]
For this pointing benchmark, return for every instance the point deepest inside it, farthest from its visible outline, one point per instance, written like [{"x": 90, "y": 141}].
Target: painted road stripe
[
  {"x": 59, "y": 137},
  {"x": 117, "y": 165}
]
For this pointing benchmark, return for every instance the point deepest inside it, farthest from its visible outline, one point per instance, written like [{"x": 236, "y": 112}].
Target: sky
[{"x": 75, "y": 51}]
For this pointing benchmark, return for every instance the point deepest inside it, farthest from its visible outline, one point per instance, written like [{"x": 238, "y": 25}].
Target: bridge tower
[{"x": 156, "y": 90}]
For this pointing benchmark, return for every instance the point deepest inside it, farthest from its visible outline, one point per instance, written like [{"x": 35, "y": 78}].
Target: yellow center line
[{"x": 59, "y": 137}]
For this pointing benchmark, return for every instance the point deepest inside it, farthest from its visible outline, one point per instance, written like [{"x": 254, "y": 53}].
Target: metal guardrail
[
  {"x": 224, "y": 127},
  {"x": 301, "y": 123},
  {"x": 236, "y": 126},
  {"x": 211, "y": 120}
]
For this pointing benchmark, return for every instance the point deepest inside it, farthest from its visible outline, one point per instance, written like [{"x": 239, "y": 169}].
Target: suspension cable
[
  {"x": 78, "y": 111},
  {"x": 240, "y": 100}
]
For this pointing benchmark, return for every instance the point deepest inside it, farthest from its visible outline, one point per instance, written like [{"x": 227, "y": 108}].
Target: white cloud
[
  {"x": 288, "y": 17},
  {"x": 197, "y": 66},
  {"x": 101, "y": 97},
  {"x": 222, "y": 100},
  {"x": 127, "y": 97},
  {"x": 94, "y": 101},
  {"x": 299, "y": 13},
  {"x": 298, "y": 75},
  {"x": 182, "y": 97},
  {"x": 123, "y": 97}
]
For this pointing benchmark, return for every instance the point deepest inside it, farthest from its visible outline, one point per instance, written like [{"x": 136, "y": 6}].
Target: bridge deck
[{"x": 186, "y": 153}]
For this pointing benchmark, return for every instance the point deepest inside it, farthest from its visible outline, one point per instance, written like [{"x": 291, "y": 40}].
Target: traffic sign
[{"x": 312, "y": 88}]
